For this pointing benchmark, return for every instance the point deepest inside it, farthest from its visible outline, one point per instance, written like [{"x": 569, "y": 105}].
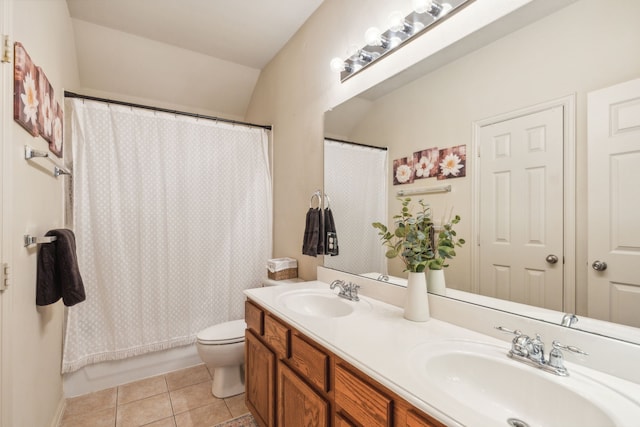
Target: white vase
[
  {"x": 436, "y": 283},
  {"x": 416, "y": 306}
]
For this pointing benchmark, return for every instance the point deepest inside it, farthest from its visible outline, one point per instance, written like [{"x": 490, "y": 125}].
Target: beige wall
[
  {"x": 32, "y": 384},
  {"x": 122, "y": 66},
  {"x": 573, "y": 51}
]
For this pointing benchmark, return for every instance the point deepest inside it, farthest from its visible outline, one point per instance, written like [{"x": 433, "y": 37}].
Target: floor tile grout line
[
  {"x": 118, "y": 390},
  {"x": 115, "y": 418}
]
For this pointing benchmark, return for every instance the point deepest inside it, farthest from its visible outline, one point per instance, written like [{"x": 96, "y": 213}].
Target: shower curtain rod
[
  {"x": 68, "y": 94},
  {"x": 356, "y": 143}
]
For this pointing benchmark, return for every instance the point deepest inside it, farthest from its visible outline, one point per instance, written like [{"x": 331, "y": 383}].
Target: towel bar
[
  {"x": 30, "y": 153},
  {"x": 33, "y": 240},
  {"x": 427, "y": 190}
]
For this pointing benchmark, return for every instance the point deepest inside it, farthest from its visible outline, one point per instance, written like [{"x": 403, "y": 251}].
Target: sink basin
[
  {"x": 499, "y": 391},
  {"x": 320, "y": 303}
]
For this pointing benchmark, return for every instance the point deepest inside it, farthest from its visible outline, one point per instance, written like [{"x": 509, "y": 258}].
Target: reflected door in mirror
[
  {"x": 521, "y": 209},
  {"x": 614, "y": 203}
]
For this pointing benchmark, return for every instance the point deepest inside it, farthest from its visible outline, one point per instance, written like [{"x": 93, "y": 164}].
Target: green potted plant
[
  {"x": 422, "y": 247},
  {"x": 411, "y": 242},
  {"x": 411, "y": 238}
]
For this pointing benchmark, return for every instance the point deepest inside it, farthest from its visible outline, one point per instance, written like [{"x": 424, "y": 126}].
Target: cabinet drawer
[
  {"x": 340, "y": 421},
  {"x": 277, "y": 336},
  {"x": 312, "y": 363},
  {"x": 254, "y": 317},
  {"x": 363, "y": 403},
  {"x": 416, "y": 420}
]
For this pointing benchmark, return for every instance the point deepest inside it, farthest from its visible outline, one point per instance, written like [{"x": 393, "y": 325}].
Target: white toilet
[{"x": 221, "y": 348}]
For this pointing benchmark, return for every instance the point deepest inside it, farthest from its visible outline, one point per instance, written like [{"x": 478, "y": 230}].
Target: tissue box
[{"x": 282, "y": 268}]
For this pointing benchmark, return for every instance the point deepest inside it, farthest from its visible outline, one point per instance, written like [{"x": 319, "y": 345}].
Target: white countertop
[
  {"x": 376, "y": 342},
  {"x": 379, "y": 343}
]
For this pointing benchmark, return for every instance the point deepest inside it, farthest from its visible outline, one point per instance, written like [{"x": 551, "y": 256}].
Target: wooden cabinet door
[
  {"x": 260, "y": 365},
  {"x": 298, "y": 404}
]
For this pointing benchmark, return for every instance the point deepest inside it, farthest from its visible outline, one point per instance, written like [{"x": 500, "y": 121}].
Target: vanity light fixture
[{"x": 425, "y": 14}]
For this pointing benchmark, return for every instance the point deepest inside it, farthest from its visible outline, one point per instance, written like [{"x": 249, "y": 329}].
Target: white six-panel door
[
  {"x": 614, "y": 203},
  {"x": 521, "y": 209}
]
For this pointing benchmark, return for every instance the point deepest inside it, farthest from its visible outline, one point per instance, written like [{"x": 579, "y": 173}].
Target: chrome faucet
[
  {"x": 531, "y": 351},
  {"x": 569, "y": 319},
  {"x": 347, "y": 290}
]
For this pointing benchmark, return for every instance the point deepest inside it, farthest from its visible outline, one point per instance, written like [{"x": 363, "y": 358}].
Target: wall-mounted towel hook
[
  {"x": 33, "y": 240},
  {"x": 317, "y": 194},
  {"x": 327, "y": 201}
]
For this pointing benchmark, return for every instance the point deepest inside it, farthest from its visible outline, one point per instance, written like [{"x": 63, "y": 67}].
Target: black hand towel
[
  {"x": 311, "y": 233},
  {"x": 331, "y": 243},
  {"x": 320, "y": 250},
  {"x": 58, "y": 273}
]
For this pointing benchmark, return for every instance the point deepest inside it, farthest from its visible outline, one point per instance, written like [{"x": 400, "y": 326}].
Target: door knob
[
  {"x": 599, "y": 265},
  {"x": 551, "y": 259}
]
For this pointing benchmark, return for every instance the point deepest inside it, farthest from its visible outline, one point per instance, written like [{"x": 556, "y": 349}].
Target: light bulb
[
  {"x": 396, "y": 21},
  {"x": 394, "y": 42},
  {"x": 337, "y": 65},
  {"x": 421, "y": 6},
  {"x": 372, "y": 37}
]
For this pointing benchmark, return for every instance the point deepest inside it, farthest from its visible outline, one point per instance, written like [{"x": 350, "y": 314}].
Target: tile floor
[{"x": 178, "y": 399}]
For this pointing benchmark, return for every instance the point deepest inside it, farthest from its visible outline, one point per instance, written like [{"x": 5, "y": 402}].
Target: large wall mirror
[{"x": 547, "y": 68}]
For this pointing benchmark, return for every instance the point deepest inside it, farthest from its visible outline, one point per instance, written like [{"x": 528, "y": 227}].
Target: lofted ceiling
[{"x": 220, "y": 44}]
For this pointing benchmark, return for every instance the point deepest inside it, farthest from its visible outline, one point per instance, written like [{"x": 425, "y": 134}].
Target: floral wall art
[
  {"x": 403, "y": 171},
  {"x": 426, "y": 163},
  {"x": 34, "y": 104},
  {"x": 437, "y": 163},
  {"x": 453, "y": 162}
]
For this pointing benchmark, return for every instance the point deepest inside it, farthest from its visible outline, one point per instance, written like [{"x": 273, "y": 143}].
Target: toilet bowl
[{"x": 221, "y": 348}]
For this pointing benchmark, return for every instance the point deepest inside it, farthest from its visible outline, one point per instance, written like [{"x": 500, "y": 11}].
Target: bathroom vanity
[
  {"x": 291, "y": 380},
  {"x": 315, "y": 359}
]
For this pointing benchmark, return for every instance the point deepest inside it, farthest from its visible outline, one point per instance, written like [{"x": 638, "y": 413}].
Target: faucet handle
[
  {"x": 559, "y": 346},
  {"x": 556, "y": 358},
  {"x": 516, "y": 332},
  {"x": 520, "y": 345}
]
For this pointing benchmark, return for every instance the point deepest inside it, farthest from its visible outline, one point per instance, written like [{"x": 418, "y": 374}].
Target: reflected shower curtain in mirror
[
  {"x": 355, "y": 179},
  {"x": 173, "y": 221}
]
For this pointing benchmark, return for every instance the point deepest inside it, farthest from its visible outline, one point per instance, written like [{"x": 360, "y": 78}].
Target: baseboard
[{"x": 57, "y": 418}]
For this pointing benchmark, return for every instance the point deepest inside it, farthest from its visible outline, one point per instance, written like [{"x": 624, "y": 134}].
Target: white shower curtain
[
  {"x": 355, "y": 179},
  {"x": 173, "y": 218}
]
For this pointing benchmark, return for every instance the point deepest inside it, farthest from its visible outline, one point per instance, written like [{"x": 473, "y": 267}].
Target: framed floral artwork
[
  {"x": 26, "y": 97},
  {"x": 55, "y": 144},
  {"x": 46, "y": 106},
  {"x": 452, "y": 162},
  {"x": 425, "y": 163},
  {"x": 403, "y": 171}
]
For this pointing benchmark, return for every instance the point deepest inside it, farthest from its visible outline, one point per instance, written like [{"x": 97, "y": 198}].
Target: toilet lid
[{"x": 223, "y": 333}]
